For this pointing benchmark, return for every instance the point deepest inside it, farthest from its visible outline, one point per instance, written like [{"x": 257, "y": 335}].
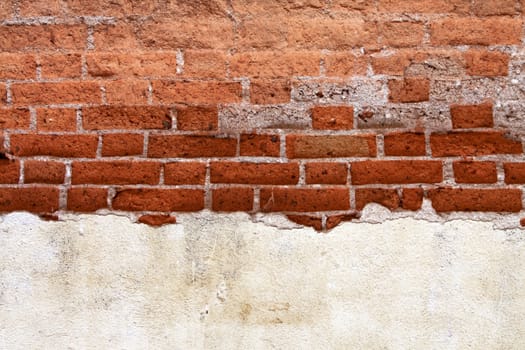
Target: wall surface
[{"x": 166, "y": 167}]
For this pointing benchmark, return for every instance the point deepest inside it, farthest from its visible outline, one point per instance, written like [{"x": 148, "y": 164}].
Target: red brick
[
  {"x": 193, "y": 146},
  {"x": 14, "y": 118},
  {"x": 326, "y": 173},
  {"x": 7, "y": 9},
  {"x": 115, "y": 173},
  {"x": 159, "y": 200},
  {"x": 117, "y": 36},
  {"x": 475, "y": 172},
  {"x": 405, "y": 144},
  {"x": 184, "y": 173},
  {"x": 304, "y": 199},
  {"x": 196, "y": 118},
  {"x": 409, "y": 90},
  {"x": 188, "y": 33},
  {"x": 270, "y": 91},
  {"x": 329, "y": 33},
  {"x": 277, "y": 7},
  {"x": 334, "y": 220},
  {"x": 43, "y": 37},
  {"x": 495, "y": 7},
  {"x": 262, "y": 32},
  {"x": 44, "y": 172},
  {"x": 122, "y": 145},
  {"x": 232, "y": 199},
  {"x": 31, "y": 199},
  {"x": 394, "y": 63},
  {"x": 17, "y": 66},
  {"x": 461, "y": 199},
  {"x": 9, "y": 171},
  {"x": 345, "y": 64},
  {"x": 84, "y": 146},
  {"x": 476, "y": 31},
  {"x": 472, "y": 116},
  {"x": 3, "y": 94},
  {"x": 396, "y": 172},
  {"x": 56, "y": 119},
  {"x": 307, "y": 220},
  {"x": 388, "y": 198},
  {"x": 272, "y": 64},
  {"x": 56, "y": 93},
  {"x": 473, "y": 144},
  {"x": 514, "y": 173},
  {"x": 132, "y": 65},
  {"x": 127, "y": 92},
  {"x": 37, "y": 8},
  {"x": 82, "y": 199},
  {"x": 210, "y": 64},
  {"x": 402, "y": 34},
  {"x": 260, "y": 145},
  {"x": 61, "y": 65},
  {"x": 412, "y": 198},
  {"x": 197, "y": 92},
  {"x": 111, "y": 117},
  {"x": 333, "y": 117},
  {"x": 157, "y": 220},
  {"x": 113, "y": 8},
  {"x": 330, "y": 146},
  {"x": 487, "y": 63},
  {"x": 255, "y": 173},
  {"x": 424, "y": 6}
]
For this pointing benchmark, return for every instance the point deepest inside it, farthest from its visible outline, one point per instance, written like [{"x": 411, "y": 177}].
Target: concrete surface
[{"x": 235, "y": 282}]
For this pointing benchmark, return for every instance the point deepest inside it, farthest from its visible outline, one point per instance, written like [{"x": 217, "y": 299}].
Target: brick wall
[{"x": 311, "y": 108}]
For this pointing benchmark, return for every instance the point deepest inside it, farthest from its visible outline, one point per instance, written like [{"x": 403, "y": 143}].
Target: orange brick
[
  {"x": 132, "y": 65},
  {"x": 514, "y": 173},
  {"x": 44, "y": 172},
  {"x": 333, "y": 117},
  {"x": 43, "y": 37},
  {"x": 255, "y": 173},
  {"x": 475, "y": 172},
  {"x": 120, "y": 36},
  {"x": 330, "y": 146},
  {"x": 56, "y": 93},
  {"x": 473, "y": 144},
  {"x": 405, "y": 144},
  {"x": 204, "y": 64},
  {"x": 270, "y": 91},
  {"x": 260, "y": 145},
  {"x": 461, "y": 199},
  {"x": 17, "y": 66},
  {"x": 304, "y": 200},
  {"x": 191, "y": 146},
  {"x": 185, "y": 173},
  {"x": 115, "y": 173},
  {"x": 409, "y": 90},
  {"x": 272, "y": 64},
  {"x": 396, "y": 172},
  {"x": 127, "y": 92},
  {"x": 424, "y": 6},
  {"x": 31, "y": 199},
  {"x": 487, "y": 63},
  {"x": 67, "y": 146},
  {"x": 196, "y": 92},
  {"x": 14, "y": 118},
  {"x": 9, "y": 171},
  {"x": 472, "y": 116},
  {"x": 495, "y": 7},
  {"x": 197, "y": 118},
  {"x": 122, "y": 145},
  {"x": 56, "y": 119},
  {"x": 117, "y": 117},
  {"x": 402, "y": 34},
  {"x": 61, "y": 65},
  {"x": 345, "y": 64}
]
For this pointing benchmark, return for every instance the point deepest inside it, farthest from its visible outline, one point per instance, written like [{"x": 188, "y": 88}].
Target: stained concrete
[{"x": 235, "y": 282}]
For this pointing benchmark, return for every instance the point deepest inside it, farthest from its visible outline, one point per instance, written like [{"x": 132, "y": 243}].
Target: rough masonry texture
[{"x": 309, "y": 108}]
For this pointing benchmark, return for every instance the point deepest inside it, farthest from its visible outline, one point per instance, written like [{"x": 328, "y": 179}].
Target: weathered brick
[
  {"x": 396, "y": 172},
  {"x": 116, "y": 117},
  {"x": 126, "y": 92},
  {"x": 401, "y": 34},
  {"x": 345, "y": 64},
  {"x": 3, "y": 94},
  {"x": 330, "y": 146},
  {"x": 209, "y": 64},
  {"x": 409, "y": 90},
  {"x": 388, "y": 198},
  {"x": 56, "y": 93},
  {"x": 260, "y": 145},
  {"x": 424, "y": 6},
  {"x": 67, "y": 146},
  {"x": 61, "y": 65},
  {"x": 334, "y": 220},
  {"x": 272, "y": 64},
  {"x": 196, "y": 92},
  {"x": 307, "y": 220},
  {"x": 495, "y": 7},
  {"x": 7, "y": 9},
  {"x": 111, "y": 8},
  {"x": 185, "y": 173},
  {"x": 191, "y": 146},
  {"x": 43, "y": 37},
  {"x": 405, "y": 144},
  {"x": 14, "y": 118},
  {"x": 122, "y": 145},
  {"x": 115, "y": 173},
  {"x": 475, "y": 172},
  {"x": 44, "y": 172},
  {"x": 157, "y": 220},
  {"x": 333, "y": 117},
  {"x": 461, "y": 199},
  {"x": 119, "y": 36},
  {"x": 255, "y": 173},
  {"x": 17, "y": 66},
  {"x": 31, "y": 199},
  {"x": 184, "y": 200},
  {"x": 85, "y": 199},
  {"x": 326, "y": 173},
  {"x": 196, "y": 118},
  {"x": 37, "y": 8},
  {"x": 487, "y": 63},
  {"x": 472, "y": 116},
  {"x": 132, "y": 65},
  {"x": 514, "y": 173},
  {"x": 270, "y": 91},
  {"x": 56, "y": 119},
  {"x": 304, "y": 200},
  {"x": 476, "y": 31},
  {"x": 412, "y": 198},
  {"x": 232, "y": 199},
  {"x": 473, "y": 144},
  {"x": 9, "y": 171}
]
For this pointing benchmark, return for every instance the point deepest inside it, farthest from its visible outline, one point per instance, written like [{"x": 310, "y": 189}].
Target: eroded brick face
[{"x": 312, "y": 109}]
